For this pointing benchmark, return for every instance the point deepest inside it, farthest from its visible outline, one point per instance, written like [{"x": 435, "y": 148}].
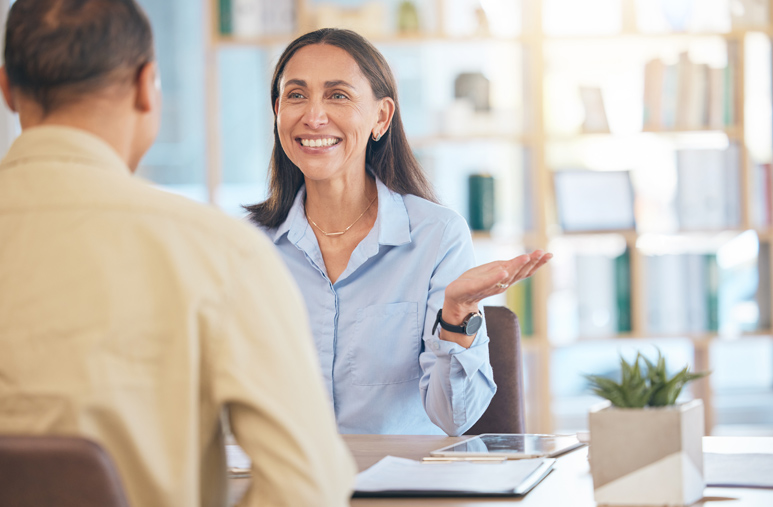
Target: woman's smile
[{"x": 318, "y": 142}]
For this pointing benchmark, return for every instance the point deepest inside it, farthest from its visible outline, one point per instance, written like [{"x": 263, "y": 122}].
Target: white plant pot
[{"x": 647, "y": 456}]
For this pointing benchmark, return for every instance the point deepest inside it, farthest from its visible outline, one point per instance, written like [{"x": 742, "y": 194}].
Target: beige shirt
[{"x": 132, "y": 317}]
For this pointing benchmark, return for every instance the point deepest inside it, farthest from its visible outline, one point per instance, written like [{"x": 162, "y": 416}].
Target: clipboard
[{"x": 400, "y": 477}]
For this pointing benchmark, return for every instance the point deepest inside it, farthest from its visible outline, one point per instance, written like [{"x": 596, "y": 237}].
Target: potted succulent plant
[{"x": 646, "y": 449}]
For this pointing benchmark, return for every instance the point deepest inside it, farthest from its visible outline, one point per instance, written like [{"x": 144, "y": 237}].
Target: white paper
[
  {"x": 738, "y": 470},
  {"x": 236, "y": 458},
  {"x": 400, "y": 474}
]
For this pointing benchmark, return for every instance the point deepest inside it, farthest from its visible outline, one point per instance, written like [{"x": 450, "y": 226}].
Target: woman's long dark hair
[{"x": 390, "y": 159}]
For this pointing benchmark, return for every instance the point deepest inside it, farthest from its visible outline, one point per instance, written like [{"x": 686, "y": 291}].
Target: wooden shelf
[
  {"x": 421, "y": 141},
  {"x": 634, "y": 35},
  {"x": 230, "y": 40},
  {"x": 528, "y": 238},
  {"x": 396, "y": 39},
  {"x": 629, "y": 234},
  {"x": 731, "y": 132},
  {"x": 701, "y": 339}
]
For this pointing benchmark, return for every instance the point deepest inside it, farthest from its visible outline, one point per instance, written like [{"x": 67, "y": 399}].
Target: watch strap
[{"x": 448, "y": 327}]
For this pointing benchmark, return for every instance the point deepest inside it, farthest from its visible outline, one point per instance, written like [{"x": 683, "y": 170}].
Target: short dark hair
[
  {"x": 390, "y": 158},
  {"x": 62, "y": 49}
]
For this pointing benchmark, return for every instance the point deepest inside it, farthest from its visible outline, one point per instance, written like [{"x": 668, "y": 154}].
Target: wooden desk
[{"x": 568, "y": 485}]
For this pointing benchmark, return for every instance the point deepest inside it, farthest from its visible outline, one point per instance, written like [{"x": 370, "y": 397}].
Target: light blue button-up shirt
[{"x": 385, "y": 371}]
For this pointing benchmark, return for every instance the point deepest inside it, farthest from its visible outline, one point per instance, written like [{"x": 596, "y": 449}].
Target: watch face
[{"x": 473, "y": 324}]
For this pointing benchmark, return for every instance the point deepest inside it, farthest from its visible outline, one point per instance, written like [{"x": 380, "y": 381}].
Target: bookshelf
[{"x": 549, "y": 63}]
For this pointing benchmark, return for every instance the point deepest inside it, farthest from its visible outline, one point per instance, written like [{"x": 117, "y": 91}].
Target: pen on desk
[{"x": 471, "y": 459}]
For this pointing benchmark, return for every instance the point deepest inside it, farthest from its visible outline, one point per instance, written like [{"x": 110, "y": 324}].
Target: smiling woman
[
  {"x": 326, "y": 115},
  {"x": 380, "y": 264}
]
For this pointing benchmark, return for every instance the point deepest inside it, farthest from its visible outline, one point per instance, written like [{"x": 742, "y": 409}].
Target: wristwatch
[{"x": 469, "y": 326}]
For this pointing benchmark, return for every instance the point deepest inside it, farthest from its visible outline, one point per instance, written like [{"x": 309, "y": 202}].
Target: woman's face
[{"x": 326, "y": 112}]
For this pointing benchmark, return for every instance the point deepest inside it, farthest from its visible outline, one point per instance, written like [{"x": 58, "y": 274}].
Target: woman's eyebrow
[
  {"x": 296, "y": 82},
  {"x": 337, "y": 83},
  {"x": 328, "y": 84}
]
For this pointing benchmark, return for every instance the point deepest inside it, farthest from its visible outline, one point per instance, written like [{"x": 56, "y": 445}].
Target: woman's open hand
[{"x": 463, "y": 294}]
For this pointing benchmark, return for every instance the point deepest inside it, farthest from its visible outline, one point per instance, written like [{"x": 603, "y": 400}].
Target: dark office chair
[
  {"x": 505, "y": 414},
  {"x": 56, "y": 471}
]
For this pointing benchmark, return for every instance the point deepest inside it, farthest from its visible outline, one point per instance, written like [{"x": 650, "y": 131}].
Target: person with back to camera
[
  {"x": 134, "y": 317},
  {"x": 387, "y": 274}
]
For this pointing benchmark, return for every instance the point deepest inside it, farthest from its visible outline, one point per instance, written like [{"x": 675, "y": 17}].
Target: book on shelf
[
  {"x": 666, "y": 308},
  {"x": 696, "y": 108},
  {"x": 247, "y": 18},
  {"x": 716, "y": 98},
  {"x": 697, "y": 299},
  {"x": 596, "y": 291},
  {"x": 730, "y": 88},
  {"x": 682, "y": 293},
  {"x": 712, "y": 292},
  {"x": 595, "y": 113},
  {"x": 760, "y": 194},
  {"x": 279, "y": 17},
  {"x": 225, "y": 17},
  {"x": 670, "y": 100},
  {"x": 654, "y": 75},
  {"x": 603, "y": 289},
  {"x": 256, "y": 18},
  {"x": 762, "y": 295},
  {"x": 481, "y": 201},
  {"x": 623, "y": 291},
  {"x": 692, "y": 94},
  {"x": 519, "y": 299},
  {"x": 689, "y": 95},
  {"x": 708, "y": 194}
]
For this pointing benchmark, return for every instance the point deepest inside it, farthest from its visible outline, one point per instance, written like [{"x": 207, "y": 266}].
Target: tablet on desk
[{"x": 513, "y": 446}]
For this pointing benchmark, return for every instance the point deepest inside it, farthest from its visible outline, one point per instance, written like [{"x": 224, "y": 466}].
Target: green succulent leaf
[{"x": 642, "y": 383}]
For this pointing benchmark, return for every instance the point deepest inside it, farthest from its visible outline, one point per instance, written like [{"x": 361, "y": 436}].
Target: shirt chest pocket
[{"x": 386, "y": 345}]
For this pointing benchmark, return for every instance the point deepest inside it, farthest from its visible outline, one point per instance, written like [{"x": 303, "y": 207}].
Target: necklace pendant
[{"x": 345, "y": 230}]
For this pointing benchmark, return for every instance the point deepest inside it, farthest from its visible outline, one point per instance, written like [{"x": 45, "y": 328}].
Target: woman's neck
[{"x": 334, "y": 205}]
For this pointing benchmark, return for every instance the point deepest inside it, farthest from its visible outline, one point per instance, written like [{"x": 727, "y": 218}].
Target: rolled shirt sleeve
[{"x": 457, "y": 384}]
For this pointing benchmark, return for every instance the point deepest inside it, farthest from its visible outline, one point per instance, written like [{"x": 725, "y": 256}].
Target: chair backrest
[
  {"x": 505, "y": 413},
  {"x": 57, "y": 471}
]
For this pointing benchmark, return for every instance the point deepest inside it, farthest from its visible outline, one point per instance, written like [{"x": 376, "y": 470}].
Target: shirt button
[{"x": 435, "y": 346}]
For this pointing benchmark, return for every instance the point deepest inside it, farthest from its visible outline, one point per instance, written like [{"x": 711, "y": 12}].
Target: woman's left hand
[{"x": 463, "y": 294}]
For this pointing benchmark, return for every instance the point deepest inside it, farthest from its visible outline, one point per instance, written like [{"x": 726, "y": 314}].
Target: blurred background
[{"x": 631, "y": 138}]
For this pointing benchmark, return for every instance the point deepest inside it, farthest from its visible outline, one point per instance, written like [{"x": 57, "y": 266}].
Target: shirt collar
[
  {"x": 394, "y": 227},
  {"x": 296, "y": 223},
  {"x": 64, "y": 143},
  {"x": 392, "y": 222}
]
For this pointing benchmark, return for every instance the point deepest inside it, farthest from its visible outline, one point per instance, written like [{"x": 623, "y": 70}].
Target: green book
[
  {"x": 519, "y": 300},
  {"x": 481, "y": 202},
  {"x": 712, "y": 293},
  {"x": 226, "y": 17},
  {"x": 623, "y": 291}
]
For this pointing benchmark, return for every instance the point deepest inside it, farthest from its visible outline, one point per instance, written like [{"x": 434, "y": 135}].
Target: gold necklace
[{"x": 342, "y": 232}]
